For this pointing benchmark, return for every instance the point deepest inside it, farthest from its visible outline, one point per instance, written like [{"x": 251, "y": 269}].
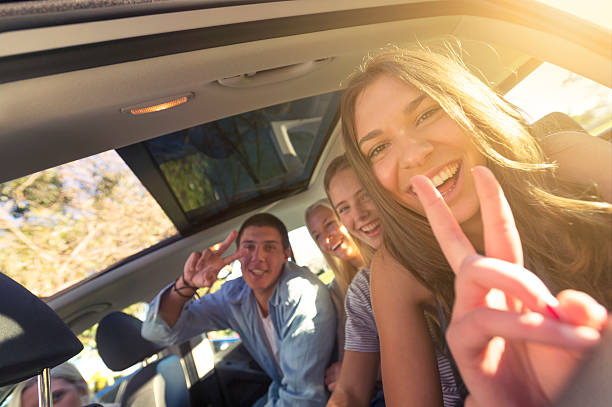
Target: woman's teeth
[
  {"x": 369, "y": 227},
  {"x": 336, "y": 246},
  {"x": 445, "y": 174}
]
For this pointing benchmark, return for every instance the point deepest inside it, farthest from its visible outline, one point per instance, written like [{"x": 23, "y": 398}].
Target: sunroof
[{"x": 237, "y": 162}]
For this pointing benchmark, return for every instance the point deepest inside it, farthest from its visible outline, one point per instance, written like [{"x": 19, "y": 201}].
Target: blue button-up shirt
[{"x": 304, "y": 322}]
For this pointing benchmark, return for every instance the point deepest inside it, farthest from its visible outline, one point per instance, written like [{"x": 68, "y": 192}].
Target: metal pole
[{"x": 44, "y": 389}]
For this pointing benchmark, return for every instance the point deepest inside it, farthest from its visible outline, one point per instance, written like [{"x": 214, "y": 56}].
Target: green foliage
[{"x": 63, "y": 224}]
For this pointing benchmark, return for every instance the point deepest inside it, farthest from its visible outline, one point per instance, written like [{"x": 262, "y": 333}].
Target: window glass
[
  {"x": 550, "y": 88},
  {"x": 595, "y": 11},
  {"x": 308, "y": 254},
  {"x": 222, "y": 164},
  {"x": 63, "y": 224}
]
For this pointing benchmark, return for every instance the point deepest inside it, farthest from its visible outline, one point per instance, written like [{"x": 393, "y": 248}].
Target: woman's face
[
  {"x": 63, "y": 392},
  {"x": 402, "y": 132},
  {"x": 326, "y": 232},
  {"x": 355, "y": 208}
]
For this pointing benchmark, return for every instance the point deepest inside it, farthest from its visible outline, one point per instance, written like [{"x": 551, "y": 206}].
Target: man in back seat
[{"x": 282, "y": 312}]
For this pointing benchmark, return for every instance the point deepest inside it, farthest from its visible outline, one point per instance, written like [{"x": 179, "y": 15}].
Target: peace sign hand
[
  {"x": 201, "y": 268},
  {"x": 505, "y": 334}
]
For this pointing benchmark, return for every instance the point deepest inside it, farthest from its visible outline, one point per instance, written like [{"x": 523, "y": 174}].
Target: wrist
[{"x": 182, "y": 288}]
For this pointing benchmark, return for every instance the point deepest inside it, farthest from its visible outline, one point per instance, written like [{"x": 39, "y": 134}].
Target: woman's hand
[
  {"x": 332, "y": 374},
  {"x": 201, "y": 269},
  {"x": 515, "y": 344}
]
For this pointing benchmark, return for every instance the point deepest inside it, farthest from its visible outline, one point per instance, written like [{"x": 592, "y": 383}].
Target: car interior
[{"x": 240, "y": 99}]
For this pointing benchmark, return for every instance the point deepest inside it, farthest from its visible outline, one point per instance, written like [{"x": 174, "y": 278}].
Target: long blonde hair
[
  {"x": 338, "y": 164},
  {"x": 343, "y": 270},
  {"x": 565, "y": 232}
]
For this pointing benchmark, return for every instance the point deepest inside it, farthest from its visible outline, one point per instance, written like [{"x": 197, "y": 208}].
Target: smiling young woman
[{"x": 416, "y": 112}]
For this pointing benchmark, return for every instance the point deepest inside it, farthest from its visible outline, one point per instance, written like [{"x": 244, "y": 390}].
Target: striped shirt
[{"x": 362, "y": 336}]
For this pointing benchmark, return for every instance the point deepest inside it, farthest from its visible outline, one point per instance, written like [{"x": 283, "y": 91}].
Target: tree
[{"x": 63, "y": 224}]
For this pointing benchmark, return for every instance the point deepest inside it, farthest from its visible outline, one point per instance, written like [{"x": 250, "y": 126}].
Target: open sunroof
[{"x": 214, "y": 171}]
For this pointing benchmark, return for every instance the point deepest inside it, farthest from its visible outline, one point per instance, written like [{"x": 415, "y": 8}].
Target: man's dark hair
[{"x": 266, "y": 219}]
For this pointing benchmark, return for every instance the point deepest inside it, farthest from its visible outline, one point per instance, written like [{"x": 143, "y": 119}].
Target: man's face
[{"x": 265, "y": 257}]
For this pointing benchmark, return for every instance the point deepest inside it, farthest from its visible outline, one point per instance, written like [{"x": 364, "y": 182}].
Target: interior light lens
[{"x": 157, "y": 106}]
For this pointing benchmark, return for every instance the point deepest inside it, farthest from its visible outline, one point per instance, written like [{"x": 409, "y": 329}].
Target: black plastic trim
[
  {"x": 527, "y": 13},
  {"x": 142, "y": 164},
  {"x": 77, "y": 15}
]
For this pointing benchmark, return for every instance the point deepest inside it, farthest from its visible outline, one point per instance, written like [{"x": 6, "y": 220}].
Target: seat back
[
  {"x": 32, "y": 336},
  {"x": 555, "y": 122},
  {"x": 159, "y": 384}
]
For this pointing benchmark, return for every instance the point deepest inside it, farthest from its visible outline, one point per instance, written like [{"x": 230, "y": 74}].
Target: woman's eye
[
  {"x": 342, "y": 209},
  {"x": 427, "y": 115},
  {"x": 376, "y": 150}
]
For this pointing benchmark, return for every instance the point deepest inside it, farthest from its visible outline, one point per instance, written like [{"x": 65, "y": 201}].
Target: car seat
[
  {"x": 555, "y": 122},
  {"x": 159, "y": 384},
  {"x": 33, "y": 338}
]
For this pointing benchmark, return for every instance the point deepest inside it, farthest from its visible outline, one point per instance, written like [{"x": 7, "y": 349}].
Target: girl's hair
[
  {"x": 342, "y": 269},
  {"x": 65, "y": 371},
  {"x": 564, "y": 231},
  {"x": 338, "y": 164}
]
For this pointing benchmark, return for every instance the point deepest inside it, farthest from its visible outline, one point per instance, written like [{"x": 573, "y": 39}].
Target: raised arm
[
  {"x": 200, "y": 270},
  {"x": 409, "y": 369},
  {"x": 357, "y": 380}
]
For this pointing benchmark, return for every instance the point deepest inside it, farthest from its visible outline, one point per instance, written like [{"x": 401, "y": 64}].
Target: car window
[
  {"x": 595, "y": 11},
  {"x": 308, "y": 254},
  {"x": 64, "y": 224},
  {"x": 218, "y": 168},
  {"x": 550, "y": 88}
]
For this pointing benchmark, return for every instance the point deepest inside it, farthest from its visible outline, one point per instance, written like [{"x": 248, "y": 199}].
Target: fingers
[
  {"x": 216, "y": 250},
  {"x": 455, "y": 245},
  {"x": 578, "y": 308},
  {"x": 501, "y": 238},
  {"x": 227, "y": 242},
  {"x": 237, "y": 255},
  {"x": 331, "y": 386},
  {"x": 190, "y": 264},
  {"x": 478, "y": 275},
  {"x": 468, "y": 337}
]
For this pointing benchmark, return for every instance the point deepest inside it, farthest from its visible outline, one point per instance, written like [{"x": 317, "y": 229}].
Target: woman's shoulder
[
  {"x": 388, "y": 276},
  {"x": 360, "y": 285}
]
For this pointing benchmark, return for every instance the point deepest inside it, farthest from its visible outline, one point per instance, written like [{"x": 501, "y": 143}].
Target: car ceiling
[{"x": 62, "y": 88}]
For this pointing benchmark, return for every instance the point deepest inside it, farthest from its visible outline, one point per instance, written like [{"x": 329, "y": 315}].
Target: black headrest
[
  {"x": 32, "y": 336},
  {"x": 120, "y": 344}
]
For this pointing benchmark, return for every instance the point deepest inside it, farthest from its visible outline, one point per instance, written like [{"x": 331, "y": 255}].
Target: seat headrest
[
  {"x": 120, "y": 344},
  {"x": 32, "y": 336},
  {"x": 555, "y": 122}
]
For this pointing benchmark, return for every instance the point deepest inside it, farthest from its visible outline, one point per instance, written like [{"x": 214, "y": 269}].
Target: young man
[{"x": 282, "y": 312}]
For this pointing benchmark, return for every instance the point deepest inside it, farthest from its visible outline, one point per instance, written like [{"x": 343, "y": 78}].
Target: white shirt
[{"x": 268, "y": 328}]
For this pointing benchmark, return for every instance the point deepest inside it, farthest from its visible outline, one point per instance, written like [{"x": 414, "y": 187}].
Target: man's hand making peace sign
[
  {"x": 515, "y": 344},
  {"x": 200, "y": 270}
]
